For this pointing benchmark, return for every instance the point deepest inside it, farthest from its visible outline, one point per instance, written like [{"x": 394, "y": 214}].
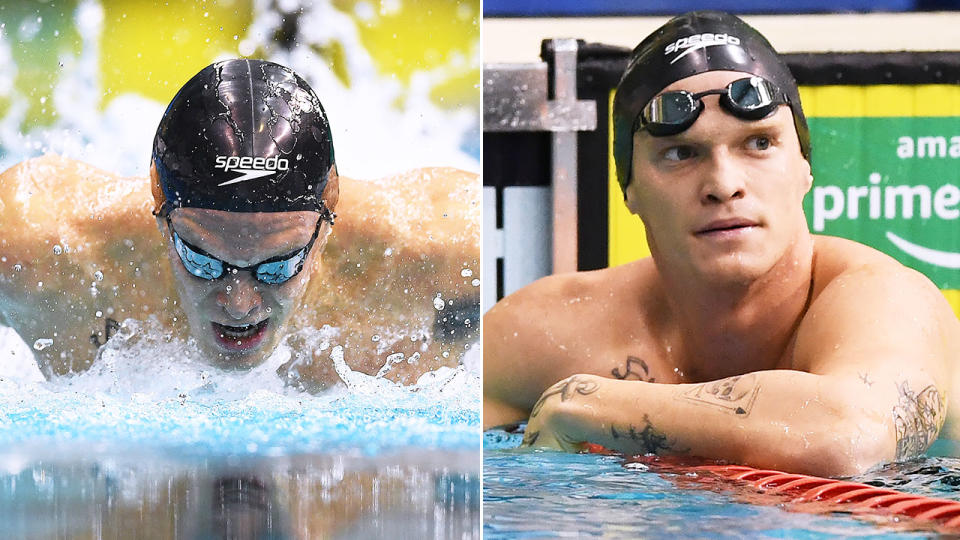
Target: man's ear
[
  {"x": 157, "y": 191},
  {"x": 808, "y": 174},
  {"x": 331, "y": 193}
]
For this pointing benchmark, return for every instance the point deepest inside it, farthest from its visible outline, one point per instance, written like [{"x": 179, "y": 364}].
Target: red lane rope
[
  {"x": 840, "y": 495},
  {"x": 822, "y": 495}
]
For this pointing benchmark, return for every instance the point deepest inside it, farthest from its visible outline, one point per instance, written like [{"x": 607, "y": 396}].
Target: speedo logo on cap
[
  {"x": 699, "y": 41},
  {"x": 251, "y": 167}
]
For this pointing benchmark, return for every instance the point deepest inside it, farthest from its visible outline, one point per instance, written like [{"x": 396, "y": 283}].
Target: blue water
[{"x": 536, "y": 494}]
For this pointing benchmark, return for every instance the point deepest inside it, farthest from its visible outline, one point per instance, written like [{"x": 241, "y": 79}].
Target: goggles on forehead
[
  {"x": 669, "y": 113},
  {"x": 273, "y": 271}
]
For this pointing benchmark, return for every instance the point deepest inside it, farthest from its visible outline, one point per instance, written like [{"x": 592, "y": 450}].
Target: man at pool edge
[
  {"x": 743, "y": 338},
  {"x": 244, "y": 188}
]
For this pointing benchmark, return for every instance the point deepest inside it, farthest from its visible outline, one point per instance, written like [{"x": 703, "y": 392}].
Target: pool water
[
  {"x": 151, "y": 442},
  {"x": 538, "y": 494}
]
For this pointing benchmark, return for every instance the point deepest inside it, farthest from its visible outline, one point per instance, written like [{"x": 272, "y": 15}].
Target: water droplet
[
  {"x": 17, "y": 267},
  {"x": 99, "y": 275},
  {"x": 466, "y": 272},
  {"x": 229, "y": 288},
  {"x": 99, "y": 314},
  {"x": 57, "y": 249},
  {"x": 375, "y": 338},
  {"x": 42, "y": 343},
  {"x": 475, "y": 282},
  {"x": 395, "y": 358},
  {"x": 388, "y": 252},
  {"x": 438, "y": 303},
  {"x": 269, "y": 310}
]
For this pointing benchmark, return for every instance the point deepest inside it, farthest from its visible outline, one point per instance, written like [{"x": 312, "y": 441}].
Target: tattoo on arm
[
  {"x": 566, "y": 388},
  {"x": 530, "y": 437},
  {"x": 918, "y": 418},
  {"x": 110, "y": 327},
  {"x": 649, "y": 439},
  {"x": 865, "y": 378},
  {"x": 633, "y": 362},
  {"x": 733, "y": 395}
]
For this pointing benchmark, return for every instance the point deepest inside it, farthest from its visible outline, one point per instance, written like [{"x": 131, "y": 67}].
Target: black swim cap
[
  {"x": 243, "y": 136},
  {"x": 694, "y": 43}
]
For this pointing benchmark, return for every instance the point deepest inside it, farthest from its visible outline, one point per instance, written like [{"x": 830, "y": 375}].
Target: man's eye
[
  {"x": 678, "y": 153},
  {"x": 759, "y": 142}
]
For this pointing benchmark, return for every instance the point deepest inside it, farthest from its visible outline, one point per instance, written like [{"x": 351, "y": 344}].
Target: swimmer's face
[
  {"x": 236, "y": 319},
  {"x": 724, "y": 198}
]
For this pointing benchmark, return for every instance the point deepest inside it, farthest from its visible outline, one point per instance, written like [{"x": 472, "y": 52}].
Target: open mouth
[{"x": 242, "y": 337}]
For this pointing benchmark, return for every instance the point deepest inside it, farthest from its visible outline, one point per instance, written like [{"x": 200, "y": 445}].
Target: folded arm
[
  {"x": 869, "y": 386},
  {"x": 802, "y": 422}
]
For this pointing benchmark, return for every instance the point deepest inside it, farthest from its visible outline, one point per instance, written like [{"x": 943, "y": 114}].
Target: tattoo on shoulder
[
  {"x": 918, "y": 417},
  {"x": 110, "y": 327},
  {"x": 649, "y": 439},
  {"x": 566, "y": 389},
  {"x": 632, "y": 369},
  {"x": 733, "y": 395}
]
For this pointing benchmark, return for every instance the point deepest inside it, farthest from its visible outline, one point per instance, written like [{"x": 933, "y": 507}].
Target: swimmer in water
[
  {"x": 744, "y": 337},
  {"x": 241, "y": 202}
]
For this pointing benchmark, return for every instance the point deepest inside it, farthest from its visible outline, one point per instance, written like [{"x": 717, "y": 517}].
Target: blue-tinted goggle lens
[
  {"x": 198, "y": 264},
  {"x": 272, "y": 272},
  {"x": 277, "y": 272}
]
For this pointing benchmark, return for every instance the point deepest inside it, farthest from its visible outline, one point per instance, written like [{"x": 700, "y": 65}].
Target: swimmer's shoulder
[
  {"x": 838, "y": 260},
  {"x": 852, "y": 279},
  {"x": 55, "y": 188},
  {"x": 428, "y": 209},
  {"x": 560, "y": 301}
]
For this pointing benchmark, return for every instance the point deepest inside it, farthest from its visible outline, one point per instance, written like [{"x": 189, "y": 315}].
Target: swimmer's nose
[
  {"x": 242, "y": 300},
  {"x": 724, "y": 181}
]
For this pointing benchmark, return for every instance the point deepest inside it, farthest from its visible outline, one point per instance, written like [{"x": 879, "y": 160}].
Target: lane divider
[
  {"x": 817, "y": 495},
  {"x": 841, "y": 495}
]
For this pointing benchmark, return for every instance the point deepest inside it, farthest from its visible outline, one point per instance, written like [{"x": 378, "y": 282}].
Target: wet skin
[
  {"x": 218, "y": 306},
  {"x": 744, "y": 337},
  {"x": 398, "y": 242}
]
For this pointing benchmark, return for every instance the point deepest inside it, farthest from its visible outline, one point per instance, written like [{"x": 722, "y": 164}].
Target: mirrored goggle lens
[
  {"x": 197, "y": 264},
  {"x": 277, "y": 272},
  {"x": 672, "y": 108},
  {"x": 753, "y": 94}
]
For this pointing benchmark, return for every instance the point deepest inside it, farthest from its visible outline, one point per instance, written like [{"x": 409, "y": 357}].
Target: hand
[{"x": 553, "y": 418}]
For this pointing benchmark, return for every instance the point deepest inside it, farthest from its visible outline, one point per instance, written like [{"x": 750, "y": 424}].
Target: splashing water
[{"x": 149, "y": 390}]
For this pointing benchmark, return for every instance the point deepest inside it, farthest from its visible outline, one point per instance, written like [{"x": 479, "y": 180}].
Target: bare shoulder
[
  {"x": 79, "y": 245},
  {"x": 535, "y": 336},
  {"x": 431, "y": 207},
  {"x": 400, "y": 245},
  {"x": 866, "y": 304}
]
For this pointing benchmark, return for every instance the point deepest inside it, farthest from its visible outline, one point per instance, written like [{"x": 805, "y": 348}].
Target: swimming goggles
[
  {"x": 669, "y": 113},
  {"x": 273, "y": 271}
]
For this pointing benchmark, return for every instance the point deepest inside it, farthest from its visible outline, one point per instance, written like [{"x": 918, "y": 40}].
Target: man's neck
[{"x": 726, "y": 328}]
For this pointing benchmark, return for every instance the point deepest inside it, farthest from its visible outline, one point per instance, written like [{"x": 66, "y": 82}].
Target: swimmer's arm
[
  {"x": 519, "y": 358},
  {"x": 872, "y": 388}
]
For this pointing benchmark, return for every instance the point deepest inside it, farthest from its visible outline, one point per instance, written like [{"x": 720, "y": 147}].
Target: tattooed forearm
[
  {"x": 734, "y": 395},
  {"x": 566, "y": 389},
  {"x": 648, "y": 439},
  {"x": 918, "y": 418},
  {"x": 632, "y": 368}
]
